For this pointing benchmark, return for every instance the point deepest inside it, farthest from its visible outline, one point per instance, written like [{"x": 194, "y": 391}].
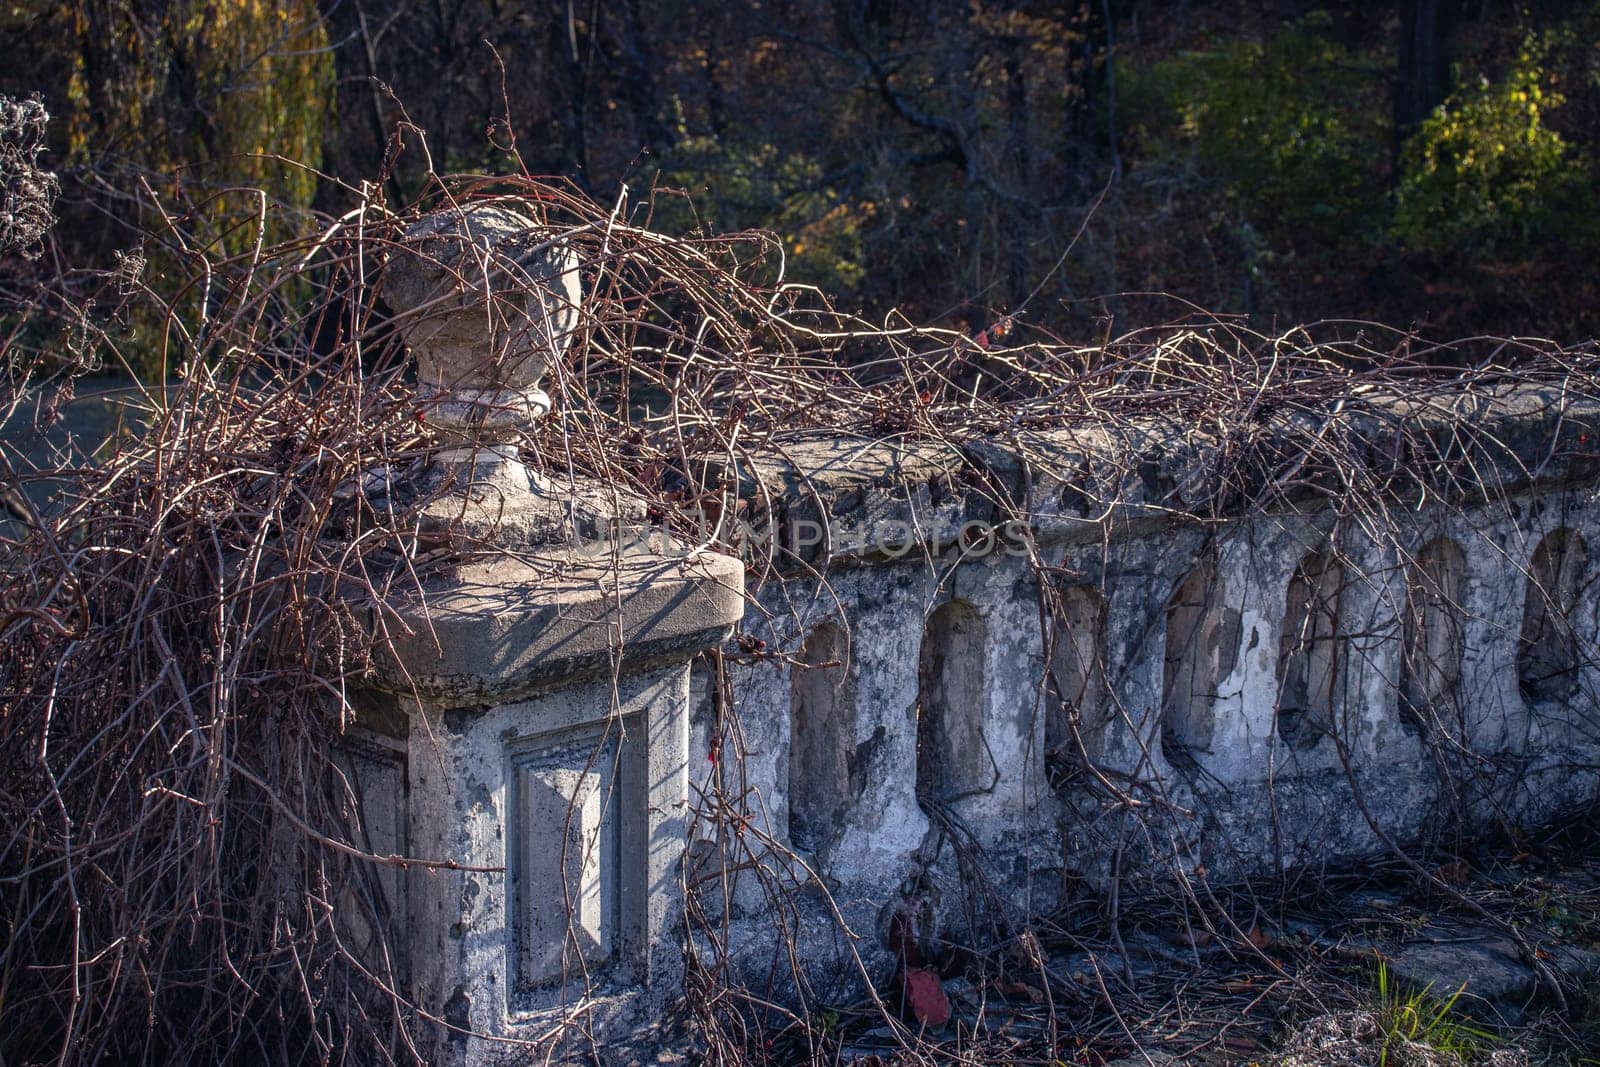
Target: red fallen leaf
[
  {"x": 926, "y": 996},
  {"x": 982, "y": 340}
]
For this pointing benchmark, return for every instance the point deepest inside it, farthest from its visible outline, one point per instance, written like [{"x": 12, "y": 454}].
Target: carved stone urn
[{"x": 488, "y": 299}]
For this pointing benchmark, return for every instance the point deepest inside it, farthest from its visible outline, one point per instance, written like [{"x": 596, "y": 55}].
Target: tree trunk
[{"x": 1422, "y": 74}]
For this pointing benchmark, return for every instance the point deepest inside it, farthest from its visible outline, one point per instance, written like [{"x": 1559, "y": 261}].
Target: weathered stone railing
[
  {"x": 1404, "y": 637},
  {"x": 1211, "y": 684}
]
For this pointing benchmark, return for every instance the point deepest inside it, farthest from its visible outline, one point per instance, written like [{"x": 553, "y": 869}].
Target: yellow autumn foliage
[{"x": 204, "y": 92}]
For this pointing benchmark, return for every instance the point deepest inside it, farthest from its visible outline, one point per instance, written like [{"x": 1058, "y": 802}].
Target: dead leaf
[{"x": 926, "y": 996}]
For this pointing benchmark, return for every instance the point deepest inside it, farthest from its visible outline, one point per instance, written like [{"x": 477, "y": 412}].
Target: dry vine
[{"x": 183, "y": 874}]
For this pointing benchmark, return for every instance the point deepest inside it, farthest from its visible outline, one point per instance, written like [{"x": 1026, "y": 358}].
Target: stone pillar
[{"x": 543, "y": 680}]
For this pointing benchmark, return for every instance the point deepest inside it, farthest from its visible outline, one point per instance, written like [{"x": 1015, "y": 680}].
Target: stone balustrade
[
  {"x": 1074, "y": 658},
  {"x": 1402, "y": 644}
]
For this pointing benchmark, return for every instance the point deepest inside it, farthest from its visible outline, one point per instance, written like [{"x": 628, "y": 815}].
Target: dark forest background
[{"x": 1420, "y": 162}]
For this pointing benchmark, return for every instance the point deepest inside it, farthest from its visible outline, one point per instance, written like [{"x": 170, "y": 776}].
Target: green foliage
[
  {"x": 226, "y": 84},
  {"x": 1416, "y": 1017},
  {"x": 218, "y": 107},
  {"x": 938, "y": 158},
  {"x": 1270, "y": 154},
  {"x": 1485, "y": 174},
  {"x": 737, "y": 186},
  {"x": 1288, "y": 127}
]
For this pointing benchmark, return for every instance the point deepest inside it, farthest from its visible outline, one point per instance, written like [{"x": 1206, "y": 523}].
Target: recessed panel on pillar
[
  {"x": 566, "y": 867},
  {"x": 370, "y": 786}
]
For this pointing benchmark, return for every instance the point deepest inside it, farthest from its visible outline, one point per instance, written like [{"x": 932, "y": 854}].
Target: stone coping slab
[
  {"x": 498, "y": 629},
  {"x": 1075, "y": 482}
]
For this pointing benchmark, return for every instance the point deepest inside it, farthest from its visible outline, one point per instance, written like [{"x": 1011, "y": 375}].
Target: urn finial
[{"x": 487, "y": 298}]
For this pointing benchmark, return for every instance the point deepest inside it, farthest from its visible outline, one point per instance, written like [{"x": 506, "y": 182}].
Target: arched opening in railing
[
  {"x": 822, "y": 734},
  {"x": 1310, "y": 652},
  {"x": 1432, "y": 639},
  {"x": 1076, "y": 709},
  {"x": 1202, "y": 648},
  {"x": 952, "y": 757},
  {"x": 1548, "y": 653}
]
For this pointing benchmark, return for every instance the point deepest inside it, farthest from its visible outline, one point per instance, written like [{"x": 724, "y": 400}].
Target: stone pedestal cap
[
  {"x": 497, "y": 629},
  {"x": 487, "y": 297}
]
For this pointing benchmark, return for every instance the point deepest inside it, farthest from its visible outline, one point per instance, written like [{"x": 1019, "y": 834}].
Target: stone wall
[
  {"x": 948, "y": 687},
  {"x": 1400, "y": 645}
]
